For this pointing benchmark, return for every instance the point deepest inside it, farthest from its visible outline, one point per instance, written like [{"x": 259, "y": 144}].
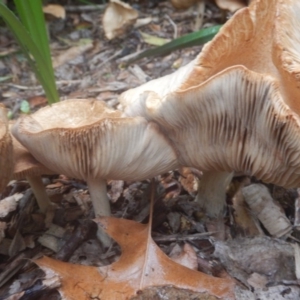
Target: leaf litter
[{"x": 97, "y": 71}]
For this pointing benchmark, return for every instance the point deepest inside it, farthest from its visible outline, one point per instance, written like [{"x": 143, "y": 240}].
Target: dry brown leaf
[
  {"x": 9, "y": 204},
  {"x": 179, "y": 4},
  {"x": 188, "y": 180},
  {"x": 141, "y": 265},
  {"x": 267, "y": 210},
  {"x": 72, "y": 53},
  {"x": 117, "y": 18},
  {"x": 55, "y": 10},
  {"x": 242, "y": 215},
  {"x": 186, "y": 257}
]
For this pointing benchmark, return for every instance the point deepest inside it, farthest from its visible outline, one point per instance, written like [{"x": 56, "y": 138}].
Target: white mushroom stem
[
  {"x": 212, "y": 192},
  {"x": 99, "y": 197},
  {"x": 39, "y": 192},
  {"x": 100, "y": 200}
]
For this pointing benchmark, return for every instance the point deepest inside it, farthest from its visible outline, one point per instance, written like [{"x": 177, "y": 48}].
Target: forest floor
[{"x": 237, "y": 246}]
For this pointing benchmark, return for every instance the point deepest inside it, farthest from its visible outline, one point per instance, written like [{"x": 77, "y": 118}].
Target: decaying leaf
[
  {"x": 267, "y": 210},
  {"x": 153, "y": 40},
  {"x": 179, "y": 4},
  {"x": 55, "y": 10},
  {"x": 242, "y": 216},
  {"x": 270, "y": 258},
  {"x": 141, "y": 265},
  {"x": 72, "y": 52},
  {"x": 9, "y": 204},
  {"x": 186, "y": 256},
  {"x": 117, "y": 18},
  {"x": 231, "y": 5}
]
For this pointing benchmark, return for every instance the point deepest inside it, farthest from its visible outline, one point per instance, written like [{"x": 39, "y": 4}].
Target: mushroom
[
  {"x": 6, "y": 158},
  {"x": 87, "y": 140},
  {"x": 26, "y": 166},
  {"x": 263, "y": 38},
  {"x": 237, "y": 120}
]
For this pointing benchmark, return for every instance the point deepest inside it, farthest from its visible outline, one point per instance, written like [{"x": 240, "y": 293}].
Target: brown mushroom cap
[
  {"x": 263, "y": 37},
  {"x": 24, "y": 163},
  {"x": 86, "y": 139},
  {"x": 237, "y": 121},
  {"x": 6, "y": 150}
]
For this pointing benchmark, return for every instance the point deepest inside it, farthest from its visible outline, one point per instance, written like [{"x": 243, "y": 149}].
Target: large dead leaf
[
  {"x": 55, "y": 10},
  {"x": 141, "y": 265}
]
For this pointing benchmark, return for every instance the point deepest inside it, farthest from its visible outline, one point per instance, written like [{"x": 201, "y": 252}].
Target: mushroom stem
[
  {"x": 212, "y": 192},
  {"x": 99, "y": 197},
  {"x": 101, "y": 206},
  {"x": 39, "y": 192}
]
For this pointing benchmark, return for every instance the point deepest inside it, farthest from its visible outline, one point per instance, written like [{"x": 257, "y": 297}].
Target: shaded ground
[{"x": 94, "y": 67}]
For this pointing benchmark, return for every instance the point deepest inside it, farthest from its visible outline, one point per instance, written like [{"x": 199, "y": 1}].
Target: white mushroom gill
[
  {"x": 263, "y": 37},
  {"x": 236, "y": 121}
]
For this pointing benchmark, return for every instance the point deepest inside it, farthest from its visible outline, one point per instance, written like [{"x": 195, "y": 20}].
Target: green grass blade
[
  {"x": 193, "y": 39},
  {"x": 41, "y": 68},
  {"x": 32, "y": 17}
]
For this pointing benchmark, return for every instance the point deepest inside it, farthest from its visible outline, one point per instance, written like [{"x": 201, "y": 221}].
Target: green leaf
[
  {"x": 153, "y": 40},
  {"x": 25, "y": 107},
  {"x": 193, "y": 39},
  {"x": 4, "y": 78},
  {"x": 37, "y": 60},
  {"x": 32, "y": 17}
]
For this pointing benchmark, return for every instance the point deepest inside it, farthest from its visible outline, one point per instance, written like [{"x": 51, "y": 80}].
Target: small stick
[
  {"x": 174, "y": 26},
  {"x": 177, "y": 237}
]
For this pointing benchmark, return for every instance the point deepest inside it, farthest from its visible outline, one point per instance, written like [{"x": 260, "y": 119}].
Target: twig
[
  {"x": 174, "y": 26},
  {"x": 177, "y": 237},
  {"x": 200, "y": 14},
  {"x": 110, "y": 58},
  {"x": 39, "y": 87},
  {"x": 129, "y": 57},
  {"x": 84, "y": 8}
]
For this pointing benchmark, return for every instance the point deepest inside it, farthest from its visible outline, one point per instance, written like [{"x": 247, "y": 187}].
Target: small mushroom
[
  {"x": 87, "y": 140},
  {"x": 6, "y": 150},
  {"x": 26, "y": 166}
]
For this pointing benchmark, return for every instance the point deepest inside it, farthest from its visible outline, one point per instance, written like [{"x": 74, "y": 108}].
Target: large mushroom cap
[
  {"x": 263, "y": 37},
  {"x": 237, "y": 121},
  {"x": 86, "y": 139},
  {"x": 6, "y": 150}
]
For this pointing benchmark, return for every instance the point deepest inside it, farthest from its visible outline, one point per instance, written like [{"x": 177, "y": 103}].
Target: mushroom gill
[
  {"x": 263, "y": 38},
  {"x": 236, "y": 120}
]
